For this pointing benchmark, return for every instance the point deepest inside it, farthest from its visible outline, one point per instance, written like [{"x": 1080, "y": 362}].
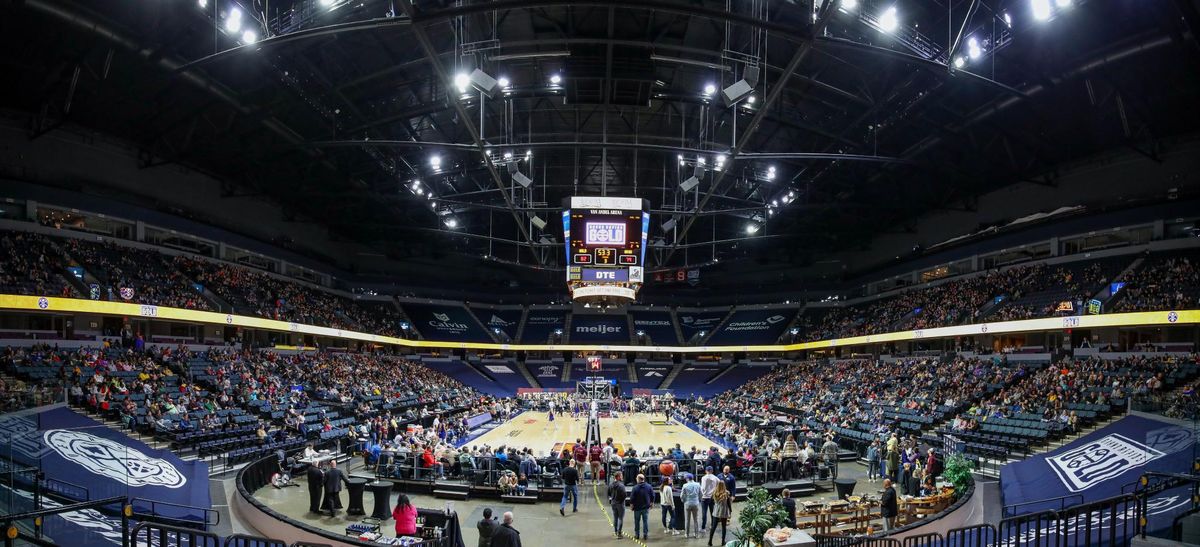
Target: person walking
[
  {"x": 722, "y": 509},
  {"x": 690, "y": 495},
  {"x": 616, "y": 501},
  {"x": 334, "y": 479},
  {"x": 570, "y": 478},
  {"x": 643, "y": 500}
]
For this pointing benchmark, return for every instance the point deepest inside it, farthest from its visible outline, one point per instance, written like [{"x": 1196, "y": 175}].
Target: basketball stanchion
[{"x": 608, "y": 517}]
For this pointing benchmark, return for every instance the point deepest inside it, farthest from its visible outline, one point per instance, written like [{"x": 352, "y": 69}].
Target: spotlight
[
  {"x": 1063, "y": 3},
  {"x": 528, "y": 154},
  {"x": 709, "y": 89},
  {"x": 771, "y": 175},
  {"x": 694, "y": 180},
  {"x": 504, "y": 83},
  {"x": 249, "y": 37},
  {"x": 774, "y": 203},
  {"x": 508, "y": 155},
  {"x": 420, "y": 192},
  {"x": 519, "y": 177},
  {"x": 849, "y": 5},
  {"x": 959, "y": 61},
  {"x": 973, "y": 49},
  {"x": 555, "y": 79},
  {"x": 741, "y": 88},
  {"x": 233, "y": 23},
  {"x": 889, "y": 20},
  {"x": 327, "y": 3},
  {"x": 701, "y": 160},
  {"x": 721, "y": 159},
  {"x": 203, "y": 3},
  {"x": 451, "y": 223},
  {"x": 462, "y": 82},
  {"x": 484, "y": 83},
  {"x": 752, "y": 228},
  {"x": 1041, "y": 9},
  {"x": 1007, "y": 19},
  {"x": 416, "y": 184},
  {"x": 751, "y": 99},
  {"x": 435, "y": 161},
  {"x": 538, "y": 222}
]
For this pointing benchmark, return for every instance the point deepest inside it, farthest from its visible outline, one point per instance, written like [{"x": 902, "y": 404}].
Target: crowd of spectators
[
  {"x": 138, "y": 275},
  {"x": 1167, "y": 283},
  {"x": 32, "y": 265}
]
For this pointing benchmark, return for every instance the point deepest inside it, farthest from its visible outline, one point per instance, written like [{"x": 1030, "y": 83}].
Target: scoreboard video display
[{"x": 605, "y": 239}]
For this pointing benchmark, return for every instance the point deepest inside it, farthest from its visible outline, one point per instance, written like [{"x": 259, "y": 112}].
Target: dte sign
[{"x": 597, "y": 274}]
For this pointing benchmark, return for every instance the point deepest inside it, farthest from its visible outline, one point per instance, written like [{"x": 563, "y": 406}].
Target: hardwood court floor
[{"x": 639, "y": 431}]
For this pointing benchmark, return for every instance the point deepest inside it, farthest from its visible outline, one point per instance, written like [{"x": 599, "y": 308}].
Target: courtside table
[
  {"x": 357, "y": 486},
  {"x": 383, "y": 499}
]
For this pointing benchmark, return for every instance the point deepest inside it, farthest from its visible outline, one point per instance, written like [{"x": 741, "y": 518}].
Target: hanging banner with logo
[
  {"x": 506, "y": 321},
  {"x": 445, "y": 322},
  {"x": 540, "y": 324},
  {"x": 599, "y": 328},
  {"x": 72, "y": 447},
  {"x": 692, "y": 323},
  {"x": 657, "y": 325},
  {"x": 753, "y": 327}
]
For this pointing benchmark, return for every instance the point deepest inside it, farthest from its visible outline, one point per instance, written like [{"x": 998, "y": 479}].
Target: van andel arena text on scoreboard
[{"x": 605, "y": 247}]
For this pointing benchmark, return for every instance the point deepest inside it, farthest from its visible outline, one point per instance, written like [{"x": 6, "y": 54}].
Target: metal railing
[
  {"x": 151, "y": 534},
  {"x": 38, "y": 516},
  {"x": 1059, "y": 503},
  {"x": 211, "y": 517}
]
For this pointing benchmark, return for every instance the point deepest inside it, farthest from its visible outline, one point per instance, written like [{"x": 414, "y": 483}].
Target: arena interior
[{"x": 765, "y": 273}]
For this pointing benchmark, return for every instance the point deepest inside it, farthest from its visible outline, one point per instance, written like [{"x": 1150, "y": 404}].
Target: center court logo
[{"x": 110, "y": 459}]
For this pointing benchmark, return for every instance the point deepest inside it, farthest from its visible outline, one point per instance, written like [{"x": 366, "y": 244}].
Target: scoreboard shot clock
[{"x": 605, "y": 248}]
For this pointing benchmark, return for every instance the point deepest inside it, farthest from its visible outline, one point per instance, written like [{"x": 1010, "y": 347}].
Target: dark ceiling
[{"x": 339, "y": 107}]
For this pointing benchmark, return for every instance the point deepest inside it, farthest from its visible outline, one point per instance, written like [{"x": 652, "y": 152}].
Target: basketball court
[{"x": 638, "y": 431}]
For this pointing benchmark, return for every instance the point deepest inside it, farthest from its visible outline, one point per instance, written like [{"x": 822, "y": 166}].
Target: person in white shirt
[
  {"x": 309, "y": 452},
  {"x": 668, "y": 507},
  {"x": 708, "y": 485}
]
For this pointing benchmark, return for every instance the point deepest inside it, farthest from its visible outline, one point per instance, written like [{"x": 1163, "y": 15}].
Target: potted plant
[
  {"x": 759, "y": 513},
  {"x": 958, "y": 473}
]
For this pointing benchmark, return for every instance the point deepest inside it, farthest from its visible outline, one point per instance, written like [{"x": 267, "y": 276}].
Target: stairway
[
  {"x": 566, "y": 336},
  {"x": 708, "y": 335},
  {"x": 631, "y": 372},
  {"x": 666, "y": 383},
  {"x": 529, "y": 378},
  {"x": 678, "y": 331},
  {"x": 630, "y": 328},
  {"x": 566, "y": 375},
  {"x": 1109, "y": 300},
  {"x": 521, "y": 325}
]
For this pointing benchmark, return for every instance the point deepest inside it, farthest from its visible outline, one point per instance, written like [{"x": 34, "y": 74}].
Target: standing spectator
[
  {"x": 316, "y": 485},
  {"x": 616, "y": 500},
  {"x": 690, "y": 494},
  {"x": 873, "y": 461},
  {"x": 667, "y": 497},
  {"x": 708, "y": 485},
  {"x": 643, "y": 499},
  {"x": 334, "y": 479},
  {"x": 506, "y": 535},
  {"x": 789, "y": 505},
  {"x": 830, "y": 451},
  {"x": 570, "y": 478},
  {"x": 722, "y": 509},
  {"x": 406, "y": 517},
  {"x": 888, "y": 506},
  {"x": 487, "y": 528}
]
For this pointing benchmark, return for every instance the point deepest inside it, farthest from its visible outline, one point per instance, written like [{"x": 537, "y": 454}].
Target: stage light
[
  {"x": 508, "y": 155},
  {"x": 202, "y": 3},
  {"x": 774, "y": 203},
  {"x": 462, "y": 82},
  {"x": 889, "y": 20},
  {"x": 959, "y": 61},
  {"x": 538, "y": 222},
  {"x": 701, "y": 160},
  {"x": 1007, "y": 19},
  {"x": 504, "y": 82},
  {"x": 849, "y": 5},
  {"x": 528, "y": 154},
  {"x": 451, "y": 223},
  {"x": 751, "y": 99},
  {"x": 484, "y": 83},
  {"x": 420, "y": 192},
  {"x": 416, "y": 184},
  {"x": 973, "y": 49},
  {"x": 327, "y": 3},
  {"x": 555, "y": 79},
  {"x": 249, "y": 37},
  {"x": 791, "y": 194},
  {"x": 752, "y": 228},
  {"x": 770, "y": 212},
  {"x": 1063, "y": 3},
  {"x": 233, "y": 23},
  {"x": 770, "y": 175},
  {"x": 435, "y": 161},
  {"x": 709, "y": 89},
  {"x": 1041, "y": 9},
  {"x": 519, "y": 177}
]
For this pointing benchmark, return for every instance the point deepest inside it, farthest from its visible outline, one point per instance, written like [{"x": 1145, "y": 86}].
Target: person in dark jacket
[
  {"x": 487, "y": 528},
  {"x": 506, "y": 535},
  {"x": 888, "y": 506},
  {"x": 616, "y": 500},
  {"x": 789, "y": 505},
  {"x": 641, "y": 500},
  {"x": 570, "y": 478},
  {"x": 316, "y": 485},
  {"x": 334, "y": 479}
]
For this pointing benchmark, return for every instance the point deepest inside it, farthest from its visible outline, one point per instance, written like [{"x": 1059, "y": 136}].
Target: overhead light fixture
[
  {"x": 249, "y": 37},
  {"x": 700, "y": 160},
  {"x": 537, "y": 222},
  {"x": 849, "y": 5},
  {"x": 555, "y": 79},
  {"x": 451, "y": 222},
  {"x": 741, "y": 88},
  {"x": 504, "y": 83},
  {"x": 202, "y": 3},
  {"x": 508, "y": 155},
  {"x": 416, "y": 184},
  {"x": 752, "y": 228},
  {"x": 751, "y": 99},
  {"x": 1063, "y": 3},
  {"x": 890, "y": 20},
  {"x": 233, "y": 22},
  {"x": 519, "y": 177},
  {"x": 959, "y": 61},
  {"x": 1041, "y": 9},
  {"x": 484, "y": 83},
  {"x": 462, "y": 81},
  {"x": 435, "y": 161},
  {"x": 709, "y": 89},
  {"x": 531, "y": 55},
  {"x": 694, "y": 180},
  {"x": 327, "y": 3},
  {"x": 669, "y": 225},
  {"x": 1008, "y": 19},
  {"x": 420, "y": 192},
  {"x": 973, "y": 49}
]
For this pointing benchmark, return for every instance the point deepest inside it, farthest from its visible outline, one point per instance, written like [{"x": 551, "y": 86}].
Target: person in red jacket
[{"x": 429, "y": 462}]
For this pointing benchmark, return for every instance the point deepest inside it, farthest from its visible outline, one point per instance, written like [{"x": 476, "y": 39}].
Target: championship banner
[
  {"x": 73, "y": 447},
  {"x": 445, "y": 322},
  {"x": 656, "y": 324},
  {"x": 599, "y": 328},
  {"x": 753, "y": 327},
  {"x": 508, "y": 321},
  {"x": 693, "y": 323},
  {"x": 540, "y": 324}
]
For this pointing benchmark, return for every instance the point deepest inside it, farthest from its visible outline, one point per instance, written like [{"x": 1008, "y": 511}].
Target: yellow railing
[{"x": 75, "y": 305}]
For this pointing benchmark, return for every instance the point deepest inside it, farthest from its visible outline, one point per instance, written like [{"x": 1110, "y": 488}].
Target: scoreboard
[{"x": 605, "y": 244}]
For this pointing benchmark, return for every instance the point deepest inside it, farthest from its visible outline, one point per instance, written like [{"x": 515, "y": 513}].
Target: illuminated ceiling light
[
  {"x": 327, "y": 3},
  {"x": 416, "y": 184},
  {"x": 1041, "y": 9},
  {"x": 889, "y": 21},
  {"x": 435, "y": 161},
  {"x": 771, "y": 169},
  {"x": 451, "y": 223},
  {"x": 202, "y": 3},
  {"x": 508, "y": 155},
  {"x": 709, "y": 89},
  {"x": 701, "y": 160},
  {"x": 720, "y": 159},
  {"x": 504, "y": 82},
  {"x": 420, "y": 192},
  {"x": 959, "y": 61},
  {"x": 462, "y": 82},
  {"x": 791, "y": 193},
  {"x": 751, "y": 99},
  {"x": 249, "y": 37},
  {"x": 973, "y": 49},
  {"x": 752, "y": 228},
  {"x": 849, "y": 5},
  {"x": 770, "y": 175},
  {"x": 1007, "y": 19},
  {"x": 233, "y": 22},
  {"x": 528, "y": 153},
  {"x": 555, "y": 79},
  {"x": 774, "y": 203},
  {"x": 1063, "y": 3}
]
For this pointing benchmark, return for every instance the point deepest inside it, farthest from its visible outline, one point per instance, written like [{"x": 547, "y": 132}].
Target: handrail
[
  {"x": 154, "y": 513},
  {"x": 246, "y": 540},
  {"x": 1062, "y": 505},
  {"x": 46, "y": 484},
  {"x": 171, "y": 535}
]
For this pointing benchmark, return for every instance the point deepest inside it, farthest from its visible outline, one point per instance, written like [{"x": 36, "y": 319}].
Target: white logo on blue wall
[
  {"x": 441, "y": 316},
  {"x": 110, "y": 459}
]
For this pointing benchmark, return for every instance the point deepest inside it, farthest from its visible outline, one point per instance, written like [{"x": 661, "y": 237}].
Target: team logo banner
[
  {"x": 452, "y": 323},
  {"x": 657, "y": 325},
  {"x": 693, "y": 323},
  {"x": 75, "y": 448},
  {"x": 753, "y": 327},
  {"x": 599, "y": 328},
  {"x": 540, "y": 324},
  {"x": 507, "y": 321}
]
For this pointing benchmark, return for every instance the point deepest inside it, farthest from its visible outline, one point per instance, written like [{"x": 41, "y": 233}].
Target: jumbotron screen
[{"x": 605, "y": 238}]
